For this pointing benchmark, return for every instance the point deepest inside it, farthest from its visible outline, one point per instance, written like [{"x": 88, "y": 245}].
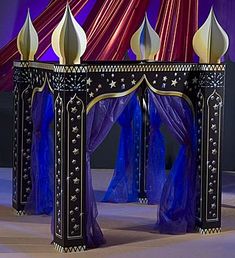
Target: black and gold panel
[
  {"x": 23, "y": 89},
  {"x": 120, "y": 79},
  {"x": 210, "y": 101},
  {"x": 70, "y": 159},
  {"x": 188, "y": 81},
  {"x": 29, "y": 78}
]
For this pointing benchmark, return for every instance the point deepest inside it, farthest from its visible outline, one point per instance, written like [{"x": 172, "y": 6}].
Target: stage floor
[{"x": 128, "y": 229}]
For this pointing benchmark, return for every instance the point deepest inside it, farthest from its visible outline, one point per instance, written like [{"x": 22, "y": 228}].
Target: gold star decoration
[
  {"x": 75, "y": 129},
  {"x": 112, "y": 84},
  {"x": 74, "y": 110},
  {"x": 89, "y": 81},
  {"x": 76, "y": 151},
  {"x": 133, "y": 82},
  {"x": 174, "y": 82},
  {"x": 76, "y": 180},
  {"x": 195, "y": 79}
]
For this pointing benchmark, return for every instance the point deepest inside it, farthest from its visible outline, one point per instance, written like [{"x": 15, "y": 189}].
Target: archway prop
[{"x": 79, "y": 87}]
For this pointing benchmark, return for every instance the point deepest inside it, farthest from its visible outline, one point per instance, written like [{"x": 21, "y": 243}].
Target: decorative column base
[
  {"x": 72, "y": 249},
  {"x": 207, "y": 231},
  {"x": 19, "y": 212},
  {"x": 143, "y": 200}
]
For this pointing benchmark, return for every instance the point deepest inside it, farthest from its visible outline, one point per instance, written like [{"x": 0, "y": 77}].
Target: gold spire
[
  {"x": 69, "y": 39},
  {"x": 210, "y": 42},
  {"x": 27, "y": 40},
  {"x": 145, "y": 42}
]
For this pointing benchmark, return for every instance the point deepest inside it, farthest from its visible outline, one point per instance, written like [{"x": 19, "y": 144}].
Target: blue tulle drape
[
  {"x": 100, "y": 120},
  {"x": 40, "y": 200},
  {"x": 156, "y": 175},
  {"x": 123, "y": 186},
  {"x": 178, "y": 204}
]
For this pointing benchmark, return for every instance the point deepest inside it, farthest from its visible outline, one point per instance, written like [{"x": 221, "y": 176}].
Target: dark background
[{"x": 105, "y": 155}]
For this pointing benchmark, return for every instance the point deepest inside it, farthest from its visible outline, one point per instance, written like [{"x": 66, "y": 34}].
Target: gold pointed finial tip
[
  {"x": 210, "y": 42},
  {"x": 145, "y": 42},
  {"x": 69, "y": 39},
  {"x": 27, "y": 40}
]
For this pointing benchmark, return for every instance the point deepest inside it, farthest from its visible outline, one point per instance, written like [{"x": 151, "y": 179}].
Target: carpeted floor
[{"x": 128, "y": 229}]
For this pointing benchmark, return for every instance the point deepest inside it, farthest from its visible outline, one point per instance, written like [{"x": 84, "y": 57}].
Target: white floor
[{"x": 128, "y": 229}]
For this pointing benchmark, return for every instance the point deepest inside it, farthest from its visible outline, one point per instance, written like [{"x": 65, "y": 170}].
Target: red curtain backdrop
[
  {"x": 109, "y": 28},
  {"x": 177, "y": 22}
]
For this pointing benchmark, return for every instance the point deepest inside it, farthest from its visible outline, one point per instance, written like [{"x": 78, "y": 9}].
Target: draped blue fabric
[
  {"x": 178, "y": 200},
  {"x": 156, "y": 175},
  {"x": 42, "y": 159},
  {"x": 100, "y": 120},
  {"x": 123, "y": 186}
]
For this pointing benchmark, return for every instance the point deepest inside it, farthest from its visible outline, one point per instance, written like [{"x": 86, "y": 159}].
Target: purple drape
[
  {"x": 178, "y": 204},
  {"x": 156, "y": 175},
  {"x": 123, "y": 186},
  {"x": 42, "y": 172},
  {"x": 100, "y": 120}
]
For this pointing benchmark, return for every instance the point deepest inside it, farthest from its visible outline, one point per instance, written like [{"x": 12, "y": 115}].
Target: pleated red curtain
[
  {"x": 109, "y": 28},
  {"x": 177, "y": 22}
]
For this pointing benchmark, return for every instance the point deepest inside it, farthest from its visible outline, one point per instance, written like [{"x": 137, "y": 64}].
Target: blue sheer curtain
[
  {"x": 178, "y": 200},
  {"x": 156, "y": 175},
  {"x": 100, "y": 120},
  {"x": 123, "y": 186},
  {"x": 42, "y": 166}
]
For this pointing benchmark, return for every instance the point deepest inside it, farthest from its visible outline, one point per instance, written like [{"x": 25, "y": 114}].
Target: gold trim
[
  {"x": 22, "y": 142},
  {"x": 217, "y": 156},
  {"x": 40, "y": 89},
  {"x": 59, "y": 102},
  {"x": 45, "y": 66},
  {"x": 125, "y": 93},
  {"x": 21, "y": 64},
  {"x": 114, "y": 95},
  {"x": 202, "y": 147},
  {"x": 173, "y": 93},
  {"x": 31, "y": 64}
]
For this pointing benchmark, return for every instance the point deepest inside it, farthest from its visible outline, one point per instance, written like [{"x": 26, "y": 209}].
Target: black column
[
  {"x": 70, "y": 158},
  {"x": 144, "y": 141},
  {"x": 209, "y": 113},
  {"x": 22, "y": 136}
]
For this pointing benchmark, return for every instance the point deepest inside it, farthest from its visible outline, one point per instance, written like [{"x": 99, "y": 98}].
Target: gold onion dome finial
[
  {"x": 210, "y": 42},
  {"x": 145, "y": 42},
  {"x": 69, "y": 39},
  {"x": 27, "y": 40}
]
